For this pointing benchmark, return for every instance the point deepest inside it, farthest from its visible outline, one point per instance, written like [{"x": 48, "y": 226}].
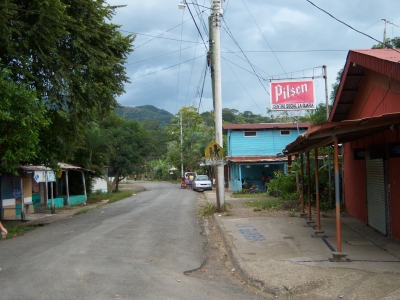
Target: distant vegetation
[{"x": 145, "y": 113}]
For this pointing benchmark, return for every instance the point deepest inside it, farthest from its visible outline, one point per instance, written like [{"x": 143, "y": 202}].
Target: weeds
[
  {"x": 264, "y": 204},
  {"x": 292, "y": 214},
  {"x": 207, "y": 211},
  {"x": 111, "y": 197},
  {"x": 16, "y": 228}
]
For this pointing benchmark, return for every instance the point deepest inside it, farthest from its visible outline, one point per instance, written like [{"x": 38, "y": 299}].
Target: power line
[
  {"x": 231, "y": 36},
  {"x": 263, "y": 36},
  {"x": 150, "y": 73},
  {"x": 139, "y": 61},
  {"x": 286, "y": 51},
  {"x": 196, "y": 25},
  {"x": 246, "y": 89},
  {"x": 346, "y": 24},
  {"x": 179, "y": 70}
]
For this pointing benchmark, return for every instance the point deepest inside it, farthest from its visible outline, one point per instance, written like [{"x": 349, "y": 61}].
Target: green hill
[{"x": 144, "y": 113}]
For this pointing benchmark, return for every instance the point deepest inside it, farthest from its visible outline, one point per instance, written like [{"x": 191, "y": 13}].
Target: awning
[
  {"x": 256, "y": 159},
  {"x": 345, "y": 131}
]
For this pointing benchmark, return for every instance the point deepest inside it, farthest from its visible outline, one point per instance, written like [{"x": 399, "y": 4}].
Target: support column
[
  {"x": 338, "y": 255},
  {"x": 310, "y": 222},
  {"x": 84, "y": 183},
  {"x": 67, "y": 188},
  {"x": 318, "y": 231},
  {"x": 303, "y": 213}
]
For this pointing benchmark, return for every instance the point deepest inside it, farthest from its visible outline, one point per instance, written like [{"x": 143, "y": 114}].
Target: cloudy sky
[{"x": 280, "y": 38}]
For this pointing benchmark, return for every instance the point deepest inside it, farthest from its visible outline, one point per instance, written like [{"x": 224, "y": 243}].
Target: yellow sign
[{"x": 214, "y": 150}]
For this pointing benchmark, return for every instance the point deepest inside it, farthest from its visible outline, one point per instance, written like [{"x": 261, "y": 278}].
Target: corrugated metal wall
[{"x": 376, "y": 200}]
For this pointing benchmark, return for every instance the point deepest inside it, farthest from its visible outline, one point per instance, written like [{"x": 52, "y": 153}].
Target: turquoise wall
[
  {"x": 59, "y": 202},
  {"x": 267, "y": 142},
  {"x": 77, "y": 200}
]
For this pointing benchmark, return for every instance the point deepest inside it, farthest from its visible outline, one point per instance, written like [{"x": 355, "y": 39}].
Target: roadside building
[
  {"x": 365, "y": 119},
  {"x": 257, "y": 148}
]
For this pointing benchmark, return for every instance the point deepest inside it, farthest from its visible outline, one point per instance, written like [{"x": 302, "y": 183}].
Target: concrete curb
[{"x": 237, "y": 261}]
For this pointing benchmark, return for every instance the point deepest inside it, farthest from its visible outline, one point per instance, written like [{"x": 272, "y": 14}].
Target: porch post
[
  {"x": 337, "y": 197},
  {"x": 309, "y": 185},
  {"x": 22, "y": 199},
  {"x": 338, "y": 255},
  {"x": 67, "y": 188},
  {"x": 84, "y": 184},
  {"x": 317, "y": 189},
  {"x": 302, "y": 183}
]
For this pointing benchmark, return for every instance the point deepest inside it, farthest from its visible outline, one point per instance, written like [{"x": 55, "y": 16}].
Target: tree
[
  {"x": 131, "y": 143},
  {"x": 22, "y": 115},
  {"x": 389, "y": 43},
  {"x": 96, "y": 150},
  {"x": 73, "y": 56},
  {"x": 196, "y": 136}
]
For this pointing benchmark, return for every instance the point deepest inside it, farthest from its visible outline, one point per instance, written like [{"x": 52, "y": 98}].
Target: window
[
  {"x": 250, "y": 133},
  {"x": 285, "y": 132}
]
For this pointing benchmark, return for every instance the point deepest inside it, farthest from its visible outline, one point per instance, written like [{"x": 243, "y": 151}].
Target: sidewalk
[{"x": 282, "y": 256}]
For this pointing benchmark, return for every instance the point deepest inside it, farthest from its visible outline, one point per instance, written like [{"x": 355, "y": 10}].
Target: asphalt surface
[{"x": 137, "y": 248}]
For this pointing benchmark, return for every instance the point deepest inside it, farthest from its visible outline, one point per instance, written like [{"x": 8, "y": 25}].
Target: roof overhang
[
  {"x": 382, "y": 61},
  {"x": 324, "y": 134},
  {"x": 256, "y": 159}
]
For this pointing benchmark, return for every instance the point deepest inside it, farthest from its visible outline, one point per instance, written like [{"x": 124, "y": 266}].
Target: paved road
[{"x": 137, "y": 248}]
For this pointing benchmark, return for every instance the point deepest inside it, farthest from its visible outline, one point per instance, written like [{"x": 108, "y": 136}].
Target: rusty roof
[
  {"x": 260, "y": 126},
  {"x": 382, "y": 61},
  {"x": 324, "y": 134},
  {"x": 63, "y": 166},
  {"x": 255, "y": 159}
]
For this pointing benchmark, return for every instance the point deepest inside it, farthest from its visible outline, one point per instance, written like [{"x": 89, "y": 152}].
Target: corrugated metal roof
[
  {"x": 255, "y": 159},
  {"x": 259, "y": 126},
  {"x": 324, "y": 134},
  {"x": 63, "y": 166},
  {"x": 358, "y": 61}
]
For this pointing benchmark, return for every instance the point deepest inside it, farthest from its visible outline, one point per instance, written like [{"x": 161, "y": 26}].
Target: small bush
[{"x": 207, "y": 211}]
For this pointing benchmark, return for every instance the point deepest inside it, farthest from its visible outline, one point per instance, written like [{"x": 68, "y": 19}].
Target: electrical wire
[
  {"x": 231, "y": 36},
  {"x": 190, "y": 77},
  {"x": 380, "y": 42},
  {"x": 205, "y": 45},
  {"x": 238, "y": 56},
  {"x": 245, "y": 89},
  {"x": 140, "y": 61},
  {"x": 263, "y": 36},
  {"x": 202, "y": 88},
  {"x": 179, "y": 68},
  {"x": 150, "y": 73}
]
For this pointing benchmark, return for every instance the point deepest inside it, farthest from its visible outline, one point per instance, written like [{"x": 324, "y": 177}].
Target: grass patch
[
  {"x": 16, "y": 228},
  {"x": 292, "y": 214},
  {"x": 253, "y": 195},
  {"x": 85, "y": 210},
  {"x": 111, "y": 197},
  {"x": 264, "y": 204},
  {"x": 207, "y": 211}
]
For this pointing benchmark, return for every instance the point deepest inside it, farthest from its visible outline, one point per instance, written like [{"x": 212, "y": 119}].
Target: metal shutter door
[{"x": 376, "y": 204}]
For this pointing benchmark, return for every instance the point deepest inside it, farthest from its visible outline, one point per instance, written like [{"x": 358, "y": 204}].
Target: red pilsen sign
[{"x": 292, "y": 95}]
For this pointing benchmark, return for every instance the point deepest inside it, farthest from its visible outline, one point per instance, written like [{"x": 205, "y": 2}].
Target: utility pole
[
  {"x": 215, "y": 42},
  {"x": 181, "y": 147},
  {"x": 329, "y": 147},
  {"x": 384, "y": 32}
]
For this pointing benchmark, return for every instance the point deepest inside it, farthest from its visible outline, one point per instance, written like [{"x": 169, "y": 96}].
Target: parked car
[{"x": 201, "y": 183}]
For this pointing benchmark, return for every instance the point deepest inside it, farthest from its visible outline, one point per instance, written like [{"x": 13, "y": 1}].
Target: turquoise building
[{"x": 257, "y": 148}]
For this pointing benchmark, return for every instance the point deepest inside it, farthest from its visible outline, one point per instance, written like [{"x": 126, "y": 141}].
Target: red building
[{"x": 370, "y": 88}]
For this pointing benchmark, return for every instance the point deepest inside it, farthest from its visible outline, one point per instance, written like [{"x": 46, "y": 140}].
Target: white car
[{"x": 201, "y": 183}]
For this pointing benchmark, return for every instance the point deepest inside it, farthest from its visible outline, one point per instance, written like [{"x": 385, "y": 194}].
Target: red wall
[
  {"x": 394, "y": 167},
  {"x": 355, "y": 183}
]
